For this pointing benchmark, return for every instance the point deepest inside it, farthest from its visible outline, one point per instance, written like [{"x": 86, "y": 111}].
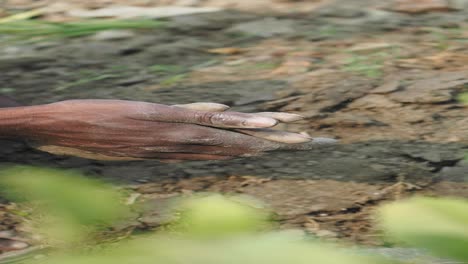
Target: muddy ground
[{"x": 383, "y": 82}]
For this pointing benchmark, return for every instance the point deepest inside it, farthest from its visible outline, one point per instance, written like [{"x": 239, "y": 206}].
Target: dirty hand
[{"x": 125, "y": 130}]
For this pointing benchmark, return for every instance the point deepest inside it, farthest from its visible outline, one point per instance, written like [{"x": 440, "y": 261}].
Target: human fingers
[{"x": 175, "y": 114}]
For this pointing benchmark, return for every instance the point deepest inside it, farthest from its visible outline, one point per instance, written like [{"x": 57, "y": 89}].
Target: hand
[{"x": 126, "y": 130}]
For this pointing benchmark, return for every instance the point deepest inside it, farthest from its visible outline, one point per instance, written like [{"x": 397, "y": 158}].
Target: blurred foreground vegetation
[
  {"x": 30, "y": 29},
  {"x": 68, "y": 209}
]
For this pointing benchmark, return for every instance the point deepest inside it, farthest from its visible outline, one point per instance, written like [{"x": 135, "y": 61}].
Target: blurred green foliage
[
  {"x": 215, "y": 216},
  {"x": 67, "y": 205},
  {"x": 439, "y": 225},
  {"x": 271, "y": 248},
  {"x": 210, "y": 228},
  {"x": 216, "y": 229},
  {"x": 463, "y": 98}
]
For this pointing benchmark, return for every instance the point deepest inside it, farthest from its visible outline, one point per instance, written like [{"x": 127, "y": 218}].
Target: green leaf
[
  {"x": 211, "y": 216},
  {"x": 272, "y": 248},
  {"x": 68, "y": 204},
  {"x": 463, "y": 98},
  {"x": 439, "y": 225}
]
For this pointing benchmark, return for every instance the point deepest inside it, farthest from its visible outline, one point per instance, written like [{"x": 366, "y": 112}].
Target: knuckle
[{"x": 208, "y": 118}]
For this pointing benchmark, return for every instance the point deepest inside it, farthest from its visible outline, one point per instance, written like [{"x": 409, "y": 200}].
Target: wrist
[{"x": 16, "y": 122}]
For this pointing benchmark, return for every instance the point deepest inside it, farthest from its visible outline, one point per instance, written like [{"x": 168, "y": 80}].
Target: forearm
[{"x": 15, "y": 122}]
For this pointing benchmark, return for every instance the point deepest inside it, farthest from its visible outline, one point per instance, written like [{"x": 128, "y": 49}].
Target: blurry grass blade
[
  {"x": 165, "y": 68},
  {"x": 22, "y": 16},
  {"x": 37, "y": 28},
  {"x": 173, "y": 80}
]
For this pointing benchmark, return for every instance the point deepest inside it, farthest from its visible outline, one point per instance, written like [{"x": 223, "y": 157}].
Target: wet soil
[{"x": 384, "y": 83}]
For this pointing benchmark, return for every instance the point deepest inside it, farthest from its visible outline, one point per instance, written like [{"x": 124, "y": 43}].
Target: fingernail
[
  {"x": 283, "y": 117},
  {"x": 210, "y": 107},
  {"x": 260, "y": 122},
  {"x": 286, "y": 117},
  {"x": 297, "y": 138}
]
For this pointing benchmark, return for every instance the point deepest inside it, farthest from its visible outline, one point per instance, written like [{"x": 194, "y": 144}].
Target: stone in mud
[
  {"x": 267, "y": 27},
  {"x": 349, "y": 120},
  {"x": 435, "y": 156},
  {"x": 323, "y": 93},
  {"x": 457, "y": 173},
  {"x": 388, "y": 87},
  {"x": 417, "y": 95},
  {"x": 433, "y": 90},
  {"x": 294, "y": 198},
  {"x": 373, "y": 101}
]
